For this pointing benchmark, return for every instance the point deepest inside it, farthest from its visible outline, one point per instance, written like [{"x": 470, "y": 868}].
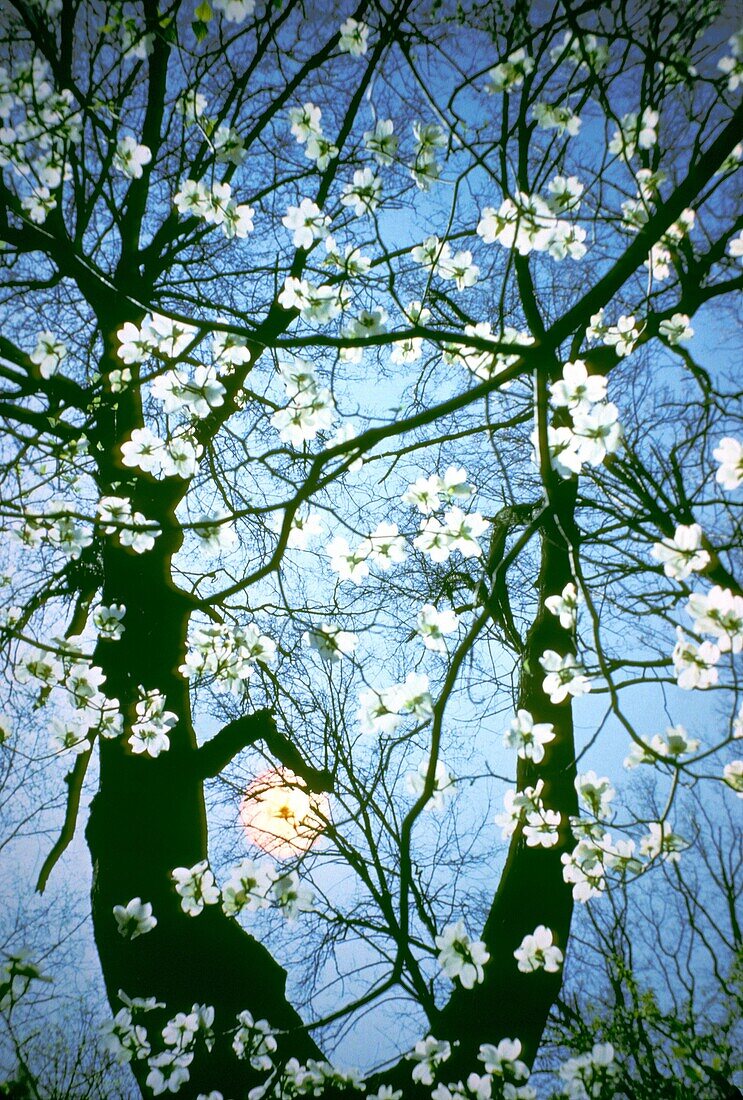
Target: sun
[{"x": 280, "y": 816}]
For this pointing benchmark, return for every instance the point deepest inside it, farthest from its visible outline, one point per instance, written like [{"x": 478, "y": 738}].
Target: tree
[{"x": 232, "y": 231}]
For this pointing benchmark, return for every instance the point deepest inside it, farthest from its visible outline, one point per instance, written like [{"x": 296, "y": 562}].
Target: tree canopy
[{"x": 371, "y": 461}]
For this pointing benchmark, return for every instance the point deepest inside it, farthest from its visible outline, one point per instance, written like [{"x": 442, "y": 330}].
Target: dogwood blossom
[
  {"x": 503, "y": 1060},
  {"x": 48, "y": 354},
  {"x": 123, "y": 1039},
  {"x": 350, "y": 565},
  {"x": 68, "y": 737},
  {"x": 195, "y": 887},
  {"x": 235, "y": 11},
  {"x": 682, "y": 555},
  {"x": 108, "y": 621},
  {"x": 330, "y": 642},
  {"x": 354, "y": 37},
  {"x": 428, "y": 1054},
  {"x": 39, "y": 204},
  {"x": 564, "y": 676},
  {"x": 388, "y": 546},
  {"x": 443, "y": 784},
  {"x": 732, "y": 774},
  {"x": 528, "y": 737},
  {"x": 595, "y": 793},
  {"x": 590, "y": 1074},
  {"x": 510, "y": 73},
  {"x": 577, "y": 389},
  {"x": 516, "y": 804},
  {"x": 732, "y": 64},
  {"x": 305, "y": 121},
  {"x": 382, "y": 141},
  {"x": 291, "y": 896},
  {"x": 541, "y": 827},
  {"x": 555, "y": 117},
  {"x": 134, "y": 919},
  {"x": 130, "y": 157},
  {"x": 565, "y": 606},
  {"x": 718, "y": 612},
  {"x": 729, "y": 453},
  {"x": 623, "y": 336},
  {"x": 695, "y": 665},
  {"x": 676, "y": 329},
  {"x": 306, "y": 222},
  {"x": 364, "y": 193},
  {"x": 661, "y": 841},
  {"x": 583, "y": 869},
  {"x": 432, "y": 625},
  {"x": 538, "y": 951},
  {"x": 248, "y": 887},
  {"x": 460, "y": 957},
  {"x": 254, "y": 1041},
  {"x": 168, "y": 1071},
  {"x": 525, "y": 224}
]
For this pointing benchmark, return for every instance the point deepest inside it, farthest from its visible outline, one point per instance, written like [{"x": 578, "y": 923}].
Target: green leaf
[
  {"x": 201, "y": 30},
  {"x": 203, "y": 13}
]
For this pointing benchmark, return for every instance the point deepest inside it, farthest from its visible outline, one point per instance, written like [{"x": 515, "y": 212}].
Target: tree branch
[{"x": 213, "y": 757}]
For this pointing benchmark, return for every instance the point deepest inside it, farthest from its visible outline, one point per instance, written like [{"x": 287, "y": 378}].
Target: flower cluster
[
  {"x": 590, "y": 1074},
  {"x": 248, "y": 887},
  {"x": 155, "y": 335},
  {"x": 307, "y": 129},
  {"x": 594, "y": 430},
  {"x": 133, "y": 529},
  {"x": 213, "y": 204},
  {"x": 175, "y": 457},
  {"x": 226, "y": 655},
  {"x": 671, "y": 746},
  {"x": 505, "y": 1075},
  {"x": 383, "y": 711},
  {"x": 315, "y": 303},
  {"x": 311, "y": 408},
  {"x": 458, "y": 531},
  {"x": 540, "y": 825},
  {"x": 195, "y": 395},
  {"x": 58, "y": 524},
  {"x": 150, "y": 731},
  {"x": 530, "y": 223},
  {"x": 39, "y": 125},
  {"x": 254, "y": 1042}
]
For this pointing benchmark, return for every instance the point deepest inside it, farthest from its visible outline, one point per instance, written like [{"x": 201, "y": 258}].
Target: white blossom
[
  {"x": 195, "y": 887},
  {"x": 528, "y": 737},
  {"x": 538, "y": 951},
  {"x": 135, "y": 918},
  {"x": 682, "y": 555},
  {"x": 460, "y": 957}
]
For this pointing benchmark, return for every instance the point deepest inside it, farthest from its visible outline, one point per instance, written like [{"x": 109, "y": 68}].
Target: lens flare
[{"x": 280, "y": 816}]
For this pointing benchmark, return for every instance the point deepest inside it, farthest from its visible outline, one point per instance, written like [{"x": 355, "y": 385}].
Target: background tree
[{"x": 245, "y": 359}]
